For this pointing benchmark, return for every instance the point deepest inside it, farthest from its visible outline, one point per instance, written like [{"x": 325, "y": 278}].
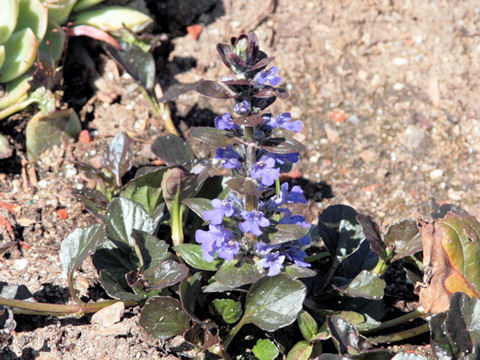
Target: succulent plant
[{"x": 31, "y": 33}]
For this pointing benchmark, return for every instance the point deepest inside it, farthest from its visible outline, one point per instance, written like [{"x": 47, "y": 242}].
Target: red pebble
[
  {"x": 194, "y": 31},
  {"x": 62, "y": 214},
  {"x": 338, "y": 116},
  {"x": 84, "y": 137}
]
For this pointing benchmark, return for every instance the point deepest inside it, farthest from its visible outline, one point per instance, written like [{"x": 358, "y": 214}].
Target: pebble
[
  {"x": 70, "y": 170},
  {"x": 109, "y": 315},
  {"x": 454, "y": 195},
  {"x": 400, "y": 61},
  {"x": 20, "y": 264},
  {"x": 353, "y": 119},
  {"x": 42, "y": 184},
  {"x": 398, "y": 86},
  {"x": 313, "y": 159},
  {"x": 436, "y": 175}
]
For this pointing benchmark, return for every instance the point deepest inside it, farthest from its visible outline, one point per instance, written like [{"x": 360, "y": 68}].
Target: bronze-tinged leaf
[
  {"x": 451, "y": 257},
  {"x": 252, "y": 120}
]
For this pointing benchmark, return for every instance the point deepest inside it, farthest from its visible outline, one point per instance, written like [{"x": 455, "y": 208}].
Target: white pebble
[
  {"x": 398, "y": 86},
  {"x": 400, "y": 61},
  {"x": 20, "y": 264},
  {"x": 43, "y": 184},
  {"x": 313, "y": 159},
  {"x": 436, "y": 175}
]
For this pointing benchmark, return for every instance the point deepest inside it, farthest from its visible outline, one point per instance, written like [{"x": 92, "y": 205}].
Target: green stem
[
  {"x": 34, "y": 308},
  {"x": 277, "y": 192},
  {"x": 315, "y": 257},
  {"x": 399, "y": 336},
  {"x": 73, "y": 292},
  {"x": 15, "y": 108},
  {"x": 161, "y": 111},
  {"x": 177, "y": 220},
  {"x": 232, "y": 334},
  {"x": 397, "y": 321},
  {"x": 381, "y": 267}
]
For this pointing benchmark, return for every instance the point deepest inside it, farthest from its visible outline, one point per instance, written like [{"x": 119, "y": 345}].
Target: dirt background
[{"x": 388, "y": 92}]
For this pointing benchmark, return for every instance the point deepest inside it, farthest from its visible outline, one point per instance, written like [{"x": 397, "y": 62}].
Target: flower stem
[
  {"x": 250, "y": 158},
  {"x": 177, "y": 220},
  {"x": 399, "y": 320},
  {"x": 399, "y": 336},
  {"x": 34, "y": 308},
  {"x": 161, "y": 111},
  {"x": 232, "y": 334}
]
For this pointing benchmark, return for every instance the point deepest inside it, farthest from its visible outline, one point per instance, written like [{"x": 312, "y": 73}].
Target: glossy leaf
[
  {"x": 307, "y": 324},
  {"x": 346, "y": 336},
  {"x": 339, "y": 229},
  {"x": 300, "y": 351},
  {"x": 403, "y": 237},
  {"x": 252, "y": 120},
  {"x": 233, "y": 274},
  {"x": 244, "y": 186},
  {"x": 456, "y": 333},
  {"x": 372, "y": 233},
  {"x": 165, "y": 274},
  {"x": 229, "y": 309},
  {"x": 213, "y": 89},
  {"x": 16, "y": 90},
  {"x": 152, "y": 250},
  {"x": 44, "y": 132},
  {"x": 139, "y": 64},
  {"x": 274, "y": 302},
  {"x": 192, "y": 254},
  {"x": 145, "y": 189},
  {"x": 173, "y": 150},
  {"x": 77, "y": 246},
  {"x": 92, "y": 199},
  {"x": 198, "y": 205},
  {"x": 362, "y": 259},
  {"x": 297, "y": 272},
  {"x": 285, "y": 145},
  {"x": 286, "y": 232},
  {"x": 366, "y": 285},
  {"x": 162, "y": 317},
  {"x": 116, "y": 289},
  {"x": 264, "y": 349},
  {"x": 123, "y": 216},
  {"x": 32, "y": 14},
  {"x": 451, "y": 254},
  {"x": 190, "y": 290},
  {"x": 116, "y": 158},
  {"x": 177, "y": 180},
  {"x": 212, "y": 136}
]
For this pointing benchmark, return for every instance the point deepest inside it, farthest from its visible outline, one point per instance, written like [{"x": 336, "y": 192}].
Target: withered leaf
[{"x": 451, "y": 256}]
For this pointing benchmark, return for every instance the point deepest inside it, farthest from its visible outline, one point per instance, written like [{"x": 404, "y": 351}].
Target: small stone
[
  {"x": 454, "y": 195},
  {"x": 353, "y": 119},
  {"x": 436, "y": 175},
  {"x": 398, "y": 86},
  {"x": 400, "y": 61},
  {"x": 42, "y": 184},
  {"x": 20, "y": 264},
  {"x": 109, "y": 315},
  {"x": 332, "y": 134}
]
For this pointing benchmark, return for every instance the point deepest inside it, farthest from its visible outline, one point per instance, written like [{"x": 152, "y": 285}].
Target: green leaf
[
  {"x": 233, "y": 274},
  {"x": 212, "y": 136},
  {"x": 404, "y": 238},
  {"x": 285, "y": 145},
  {"x": 44, "y": 132},
  {"x": 229, "y": 309},
  {"x": 16, "y": 90},
  {"x": 366, "y": 285},
  {"x": 274, "y": 302},
  {"x": 300, "y": 351},
  {"x": 8, "y": 18},
  {"x": 116, "y": 158},
  {"x": 345, "y": 336},
  {"x": 51, "y": 49},
  {"x": 145, "y": 189},
  {"x": 307, "y": 324},
  {"x": 173, "y": 150},
  {"x": 32, "y": 14},
  {"x": 192, "y": 254},
  {"x": 77, "y": 246},
  {"x": 20, "y": 51},
  {"x": 198, "y": 205},
  {"x": 167, "y": 273},
  {"x": 153, "y": 250},
  {"x": 113, "y": 19},
  {"x": 162, "y": 317},
  {"x": 123, "y": 216},
  {"x": 190, "y": 290},
  {"x": 244, "y": 185},
  {"x": 264, "y": 349}
]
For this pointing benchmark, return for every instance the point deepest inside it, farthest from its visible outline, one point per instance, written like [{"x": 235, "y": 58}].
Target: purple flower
[
  {"x": 228, "y": 250},
  {"x": 289, "y": 197},
  {"x": 285, "y": 122},
  {"x": 220, "y": 209},
  {"x": 266, "y": 171},
  {"x": 225, "y": 122},
  {"x": 263, "y": 248},
  {"x": 294, "y": 220},
  {"x": 230, "y": 158},
  {"x": 268, "y": 76},
  {"x": 272, "y": 261},
  {"x": 242, "y": 108},
  {"x": 282, "y": 159},
  {"x": 297, "y": 255},
  {"x": 253, "y": 221},
  {"x": 217, "y": 239}
]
